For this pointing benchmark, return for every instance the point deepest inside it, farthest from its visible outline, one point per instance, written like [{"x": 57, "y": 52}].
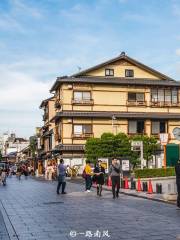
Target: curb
[{"x": 135, "y": 195}]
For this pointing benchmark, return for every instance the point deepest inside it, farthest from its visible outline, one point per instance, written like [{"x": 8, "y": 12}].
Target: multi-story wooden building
[{"x": 120, "y": 95}]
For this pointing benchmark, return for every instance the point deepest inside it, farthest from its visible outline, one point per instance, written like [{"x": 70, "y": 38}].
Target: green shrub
[{"x": 157, "y": 172}]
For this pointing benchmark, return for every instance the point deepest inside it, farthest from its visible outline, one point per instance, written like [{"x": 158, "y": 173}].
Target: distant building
[{"x": 11, "y": 145}]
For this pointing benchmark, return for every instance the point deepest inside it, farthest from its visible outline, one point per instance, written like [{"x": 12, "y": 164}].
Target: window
[
  {"x": 129, "y": 73},
  {"x": 164, "y": 96},
  {"x": 174, "y": 96},
  {"x": 167, "y": 95},
  {"x": 80, "y": 96},
  {"x": 82, "y": 129},
  {"x": 109, "y": 72},
  {"x": 158, "y": 127},
  {"x": 138, "y": 97},
  {"x": 136, "y": 127}
]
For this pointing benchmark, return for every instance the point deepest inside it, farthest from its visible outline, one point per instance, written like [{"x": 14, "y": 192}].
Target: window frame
[
  {"x": 128, "y": 71},
  {"x": 136, "y": 96},
  {"x": 138, "y": 133},
  {"x": 159, "y": 121},
  {"x": 81, "y": 91},
  {"x": 165, "y": 96},
  {"x": 109, "y": 70},
  {"x": 82, "y": 125}
]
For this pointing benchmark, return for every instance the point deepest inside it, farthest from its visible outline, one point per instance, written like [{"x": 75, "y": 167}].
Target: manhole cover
[{"x": 49, "y": 203}]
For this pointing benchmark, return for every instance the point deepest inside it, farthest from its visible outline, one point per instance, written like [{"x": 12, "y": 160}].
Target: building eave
[
  {"x": 116, "y": 81},
  {"x": 119, "y": 115}
]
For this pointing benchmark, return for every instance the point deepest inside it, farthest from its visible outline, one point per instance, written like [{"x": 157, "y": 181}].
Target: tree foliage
[
  {"x": 33, "y": 146},
  {"x": 119, "y": 146}
]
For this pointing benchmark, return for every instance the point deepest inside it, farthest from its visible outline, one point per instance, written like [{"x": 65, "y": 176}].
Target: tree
[
  {"x": 108, "y": 146},
  {"x": 119, "y": 146},
  {"x": 33, "y": 146},
  {"x": 92, "y": 149}
]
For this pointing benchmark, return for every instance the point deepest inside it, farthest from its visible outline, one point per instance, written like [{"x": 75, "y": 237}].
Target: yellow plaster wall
[{"x": 119, "y": 71}]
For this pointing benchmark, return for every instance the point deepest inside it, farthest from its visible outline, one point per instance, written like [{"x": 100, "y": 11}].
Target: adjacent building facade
[{"x": 120, "y": 95}]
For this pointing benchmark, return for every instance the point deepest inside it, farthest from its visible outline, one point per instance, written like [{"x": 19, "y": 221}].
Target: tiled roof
[
  {"x": 45, "y": 101},
  {"x": 126, "y": 115},
  {"x": 115, "y": 81},
  {"x": 124, "y": 57},
  {"x": 69, "y": 147}
]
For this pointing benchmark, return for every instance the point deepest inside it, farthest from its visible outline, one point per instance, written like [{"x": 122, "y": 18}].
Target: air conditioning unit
[
  {"x": 69, "y": 120},
  {"x": 69, "y": 86}
]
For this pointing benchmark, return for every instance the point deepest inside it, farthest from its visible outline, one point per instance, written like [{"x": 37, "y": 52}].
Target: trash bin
[
  {"x": 159, "y": 188},
  {"x": 133, "y": 185},
  {"x": 145, "y": 186}
]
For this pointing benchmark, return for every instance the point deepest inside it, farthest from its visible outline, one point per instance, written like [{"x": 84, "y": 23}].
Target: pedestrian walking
[
  {"x": 19, "y": 172},
  {"x": 177, "y": 170},
  {"x": 25, "y": 172},
  {"x": 99, "y": 172},
  {"x": 114, "y": 172},
  {"x": 3, "y": 177},
  {"x": 61, "y": 177},
  {"x": 88, "y": 173}
]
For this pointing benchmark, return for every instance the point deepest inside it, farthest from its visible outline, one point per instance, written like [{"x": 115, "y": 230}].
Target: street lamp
[{"x": 113, "y": 124}]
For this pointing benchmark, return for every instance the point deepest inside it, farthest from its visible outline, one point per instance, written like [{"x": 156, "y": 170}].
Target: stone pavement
[
  {"x": 36, "y": 212},
  {"x": 3, "y": 230}
]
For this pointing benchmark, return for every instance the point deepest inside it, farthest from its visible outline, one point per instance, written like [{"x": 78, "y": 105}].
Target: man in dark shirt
[
  {"x": 61, "y": 177},
  {"x": 177, "y": 170}
]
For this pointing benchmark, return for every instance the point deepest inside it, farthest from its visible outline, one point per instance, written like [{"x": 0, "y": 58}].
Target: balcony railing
[
  {"x": 82, "y": 135},
  {"x": 136, "y": 103},
  {"x": 164, "y": 104},
  {"x": 82, "y": 101}
]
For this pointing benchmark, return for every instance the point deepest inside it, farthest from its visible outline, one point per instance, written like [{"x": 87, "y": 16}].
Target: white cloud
[
  {"x": 20, "y": 96},
  {"x": 178, "y": 51}
]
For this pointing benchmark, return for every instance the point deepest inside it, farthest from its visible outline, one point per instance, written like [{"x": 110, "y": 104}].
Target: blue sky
[{"x": 40, "y": 40}]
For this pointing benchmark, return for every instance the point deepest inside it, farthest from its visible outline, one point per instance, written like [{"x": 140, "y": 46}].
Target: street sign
[
  {"x": 164, "y": 137},
  {"x": 125, "y": 165},
  {"x": 136, "y": 143},
  {"x": 105, "y": 163}
]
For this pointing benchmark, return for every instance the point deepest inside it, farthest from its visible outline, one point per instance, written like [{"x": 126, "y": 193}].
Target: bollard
[
  {"x": 145, "y": 186},
  {"x": 133, "y": 185},
  {"x": 159, "y": 188}
]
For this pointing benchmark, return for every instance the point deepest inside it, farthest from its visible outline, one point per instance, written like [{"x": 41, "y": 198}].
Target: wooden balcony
[
  {"x": 86, "y": 102},
  {"x": 136, "y": 103},
  {"x": 82, "y": 135},
  {"x": 164, "y": 104}
]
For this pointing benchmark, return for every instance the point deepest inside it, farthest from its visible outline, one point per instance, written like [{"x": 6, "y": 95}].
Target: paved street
[{"x": 36, "y": 212}]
